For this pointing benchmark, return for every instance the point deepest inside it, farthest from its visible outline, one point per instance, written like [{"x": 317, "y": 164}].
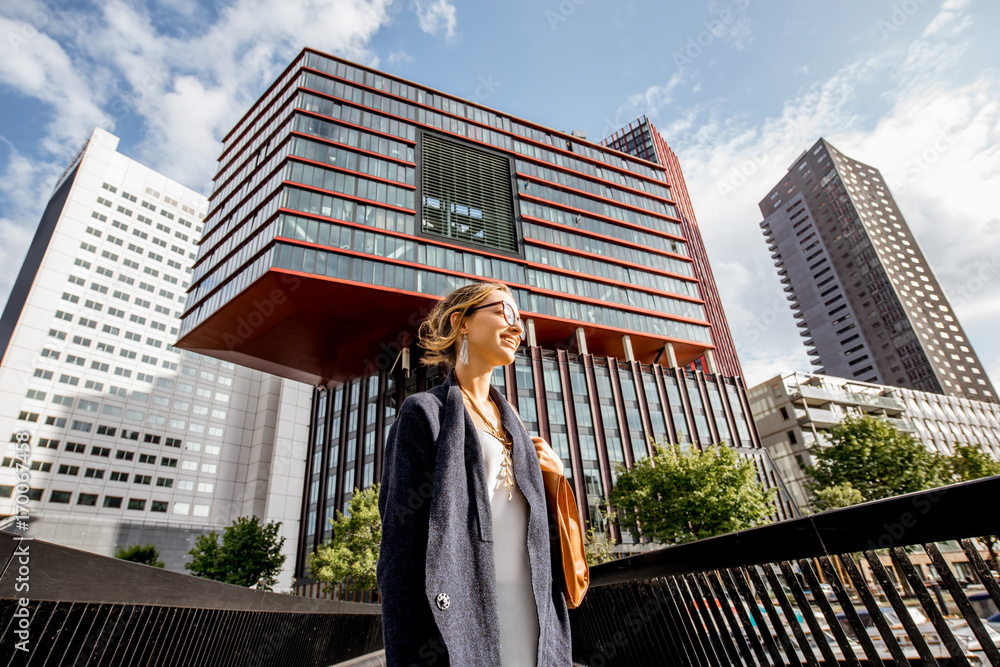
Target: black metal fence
[
  {"x": 59, "y": 606},
  {"x": 901, "y": 581}
]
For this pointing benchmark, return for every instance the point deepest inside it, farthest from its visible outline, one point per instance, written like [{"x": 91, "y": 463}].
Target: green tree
[
  {"x": 872, "y": 456},
  {"x": 597, "y": 544},
  {"x": 971, "y": 462},
  {"x": 249, "y": 553},
  {"x": 352, "y": 552},
  {"x": 145, "y": 554},
  {"x": 680, "y": 495},
  {"x": 836, "y": 496}
]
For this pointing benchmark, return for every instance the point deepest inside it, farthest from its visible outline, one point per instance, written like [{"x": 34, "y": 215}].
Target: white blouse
[{"x": 515, "y": 599}]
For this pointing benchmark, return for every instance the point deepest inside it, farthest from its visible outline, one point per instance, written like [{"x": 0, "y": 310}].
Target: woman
[{"x": 465, "y": 571}]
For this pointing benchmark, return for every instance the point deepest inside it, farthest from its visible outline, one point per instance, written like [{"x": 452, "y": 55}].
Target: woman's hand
[{"x": 547, "y": 457}]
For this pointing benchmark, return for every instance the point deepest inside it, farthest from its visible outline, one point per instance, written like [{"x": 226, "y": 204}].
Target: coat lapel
[{"x": 467, "y": 457}]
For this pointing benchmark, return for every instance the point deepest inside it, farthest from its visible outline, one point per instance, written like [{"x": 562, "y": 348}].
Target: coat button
[{"x": 443, "y": 601}]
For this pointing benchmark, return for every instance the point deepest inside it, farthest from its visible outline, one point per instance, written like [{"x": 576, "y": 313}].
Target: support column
[
  {"x": 627, "y": 344},
  {"x": 671, "y": 355},
  {"x": 532, "y": 340},
  {"x": 709, "y": 362},
  {"x": 581, "y": 341}
]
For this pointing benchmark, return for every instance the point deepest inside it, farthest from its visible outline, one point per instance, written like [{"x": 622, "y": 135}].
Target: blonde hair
[{"x": 436, "y": 334}]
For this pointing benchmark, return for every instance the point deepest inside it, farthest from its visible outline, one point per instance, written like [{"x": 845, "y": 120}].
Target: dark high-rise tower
[
  {"x": 863, "y": 293},
  {"x": 641, "y": 139}
]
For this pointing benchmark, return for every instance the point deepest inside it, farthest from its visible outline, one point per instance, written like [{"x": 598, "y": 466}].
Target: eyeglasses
[{"x": 510, "y": 316}]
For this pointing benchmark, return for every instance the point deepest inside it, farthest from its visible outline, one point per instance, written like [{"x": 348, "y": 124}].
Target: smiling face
[{"x": 492, "y": 340}]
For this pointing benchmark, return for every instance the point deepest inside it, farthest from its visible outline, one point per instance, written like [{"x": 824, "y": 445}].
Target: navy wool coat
[{"x": 436, "y": 572}]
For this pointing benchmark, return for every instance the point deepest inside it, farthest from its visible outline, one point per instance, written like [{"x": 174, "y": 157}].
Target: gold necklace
[{"x": 505, "y": 439}]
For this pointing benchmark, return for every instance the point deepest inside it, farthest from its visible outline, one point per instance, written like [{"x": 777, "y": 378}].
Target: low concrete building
[{"x": 794, "y": 412}]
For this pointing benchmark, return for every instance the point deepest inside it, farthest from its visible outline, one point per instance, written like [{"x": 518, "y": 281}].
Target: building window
[
  {"x": 467, "y": 195},
  {"x": 60, "y": 497}
]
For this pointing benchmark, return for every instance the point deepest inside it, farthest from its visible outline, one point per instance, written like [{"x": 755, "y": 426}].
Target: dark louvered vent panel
[{"x": 467, "y": 195}]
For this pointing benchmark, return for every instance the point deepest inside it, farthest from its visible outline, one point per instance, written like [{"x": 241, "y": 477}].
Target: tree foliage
[
  {"x": 145, "y": 554},
  {"x": 869, "y": 459},
  {"x": 970, "y": 462},
  {"x": 836, "y": 496},
  {"x": 249, "y": 553},
  {"x": 872, "y": 456},
  {"x": 680, "y": 495},
  {"x": 598, "y": 545},
  {"x": 352, "y": 552}
]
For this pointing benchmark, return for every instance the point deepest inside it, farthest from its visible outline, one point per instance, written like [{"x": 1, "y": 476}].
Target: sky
[{"x": 738, "y": 88}]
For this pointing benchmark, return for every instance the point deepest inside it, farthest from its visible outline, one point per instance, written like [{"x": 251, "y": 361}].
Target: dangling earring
[{"x": 463, "y": 352}]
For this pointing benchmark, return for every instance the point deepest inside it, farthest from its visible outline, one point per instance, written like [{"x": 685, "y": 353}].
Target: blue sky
[{"x": 739, "y": 88}]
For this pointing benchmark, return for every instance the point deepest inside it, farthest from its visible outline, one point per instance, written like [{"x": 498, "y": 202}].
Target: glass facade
[
  {"x": 345, "y": 186},
  {"x": 580, "y": 403},
  {"x": 343, "y": 175},
  {"x": 641, "y": 139}
]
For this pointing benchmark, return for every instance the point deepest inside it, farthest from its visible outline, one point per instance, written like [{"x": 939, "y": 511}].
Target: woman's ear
[{"x": 454, "y": 319}]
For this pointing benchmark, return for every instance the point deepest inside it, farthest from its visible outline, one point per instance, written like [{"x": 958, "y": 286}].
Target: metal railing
[
  {"x": 80, "y": 608},
  {"x": 848, "y": 587}
]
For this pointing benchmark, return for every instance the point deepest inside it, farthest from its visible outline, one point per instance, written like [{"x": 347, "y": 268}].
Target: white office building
[
  {"x": 794, "y": 413},
  {"x": 132, "y": 439}
]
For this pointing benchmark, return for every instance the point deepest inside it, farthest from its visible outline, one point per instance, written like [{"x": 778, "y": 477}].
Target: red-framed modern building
[
  {"x": 348, "y": 201},
  {"x": 640, "y": 138}
]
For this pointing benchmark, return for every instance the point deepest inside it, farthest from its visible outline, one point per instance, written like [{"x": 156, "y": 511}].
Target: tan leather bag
[{"x": 562, "y": 504}]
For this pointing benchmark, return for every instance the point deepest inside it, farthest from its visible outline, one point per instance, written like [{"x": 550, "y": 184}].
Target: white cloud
[
  {"x": 648, "y": 102},
  {"x": 936, "y": 146},
  {"x": 656, "y": 97},
  {"x": 187, "y": 90},
  {"x": 400, "y": 57},
  {"x": 950, "y": 20},
  {"x": 190, "y": 121},
  {"x": 36, "y": 66},
  {"x": 117, "y": 65},
  {"x": 23, "y": 183},
  {"x": 436, "y": 16}
]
